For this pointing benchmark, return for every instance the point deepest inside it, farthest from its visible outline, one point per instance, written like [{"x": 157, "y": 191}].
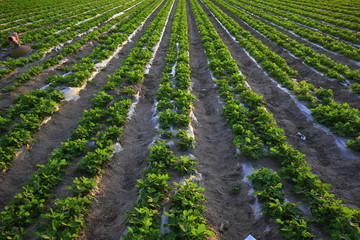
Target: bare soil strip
[
  {"x": 301, "y": 25},
  {"x": 217, "y": 158},
  {"x": 218, "y": 163},
  {"x": 63, "y": 12},
  {"x": 353, "y": 65},
  {"x": 117, "y": 191},
  {"x": 39, "y": 80},
  {"x": 9, "y": 78},
  {"x": 37, "y": 11},
  {"x": 54, "y": 24},
  {"x": 57, "y": 129},
  {"x": 341, "y": 94},
  {"x": 323, "y": 154}
]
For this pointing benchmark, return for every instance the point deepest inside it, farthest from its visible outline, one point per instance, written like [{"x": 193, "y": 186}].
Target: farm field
[{"x": 180, "y": 119}]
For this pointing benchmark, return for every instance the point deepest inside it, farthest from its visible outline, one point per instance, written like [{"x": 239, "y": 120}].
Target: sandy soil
[
  {"x": 57, "y": 130},
  {"x": 341, "y": 94},
  {"x": 117, "y": 191},
  {"x": 219, "y": 165},
  {"x": 217, "y": 156},
  {"x": 323, "y": 154}
]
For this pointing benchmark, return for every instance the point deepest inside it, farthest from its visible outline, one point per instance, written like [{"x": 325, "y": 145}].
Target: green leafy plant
[
  {"x": 185, "y": 165},
  {"x": 354, "y": 144},
  {"x": 185, "y": 219},
  {"x": 94, "y": 162},
  {"x": 355, "y": 88},
  {"x": 83, "y": 186},
  {"x": 340, "y": 118},
  {"x": 101, "y": 99},
  {"x": 184, "y": 141},
  {"x": 268, "y": 189},
  {"x": 235, "y": 189},
  {"x": 66, "y": 219},
  {"x": 142, "y": 224},
  {"x": 128, "y": 91},
  {"x": 165, "y": 134}
]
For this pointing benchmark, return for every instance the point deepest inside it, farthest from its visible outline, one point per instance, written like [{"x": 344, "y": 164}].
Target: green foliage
[
  {"x": 16, "y": 139},
  {"x": 251, "y": 99},
  {"x": 107, "y": 137},
  {"x": 83, "y": 186},
  {"x": 185, "y": 165},
  {"x": 235, "y": 189},
  {"x": 354, "y": 144},
  {"x": 340, "y": 118},
  {"x": 94, "y": 162},
  {"x": 35, "y": 70},
  {"x": 153, "y": 189},
  {"x": 160, "y": 156},
  {"x": 128, "y": 91},
  {"x": 118, "y": 112},
  {"x": 184, "y": 141},
  {"x": 185, "y": 216},
  {"x": 165, "y": 134},
  {"x": 66, "y": 220},
  {"x": 267, "y": 184},
  {"x": 142, "y": 224},
  {"x": 71, "y": 149},
  {"x": 355, "y": 88},
  {"x": 324, "y": 93},
  {"x": 169, "y": 118},
  {"x": 101, "y": 99},
  {"x": 268, "y": 189}
]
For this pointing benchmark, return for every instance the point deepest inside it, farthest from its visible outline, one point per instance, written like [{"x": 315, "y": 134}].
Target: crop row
[
  {"x": 318, "y": 61},
  {"x": 14, "y": 10},
  {"x": 72, "y": 48},
  {"x": 104, "y": 119},
  {"x": 340, "y": 118},
  {"x": 331, "y": 7},
  {"x": 81, "y": 73},
  {"x": 155, "y": 179},
  {"x": 92, "y": 163},
  {"x": 216, "y": 51},
  {"x": 49, "y": 40},
  {"x": 28, "y": 23},
  {"x": 26, "y": 116},
  {"x": 143, "y": 221},
  {"x": 269, "y": 190},
  {"x": 173, "y": 106},
  {"x": 338, "y": 19},
  {"x": 327, "y": 42},
  {"x": 27, "y": 205},
  {"x": 281, "y": 18},
  {"x": 66, "y": 34},
  {"x": 256, "y": 135},
  {"x": 174, "y": 103},
  {"x": 29, "y": 34}
]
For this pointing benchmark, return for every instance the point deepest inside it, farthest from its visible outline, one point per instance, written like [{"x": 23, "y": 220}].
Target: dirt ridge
[{"x": 323, "y": 154}]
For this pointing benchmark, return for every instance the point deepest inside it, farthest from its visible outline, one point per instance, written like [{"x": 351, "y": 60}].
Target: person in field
[
  {"x": 14, "y": 39},
  {"x": 17, "y": 50}
]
